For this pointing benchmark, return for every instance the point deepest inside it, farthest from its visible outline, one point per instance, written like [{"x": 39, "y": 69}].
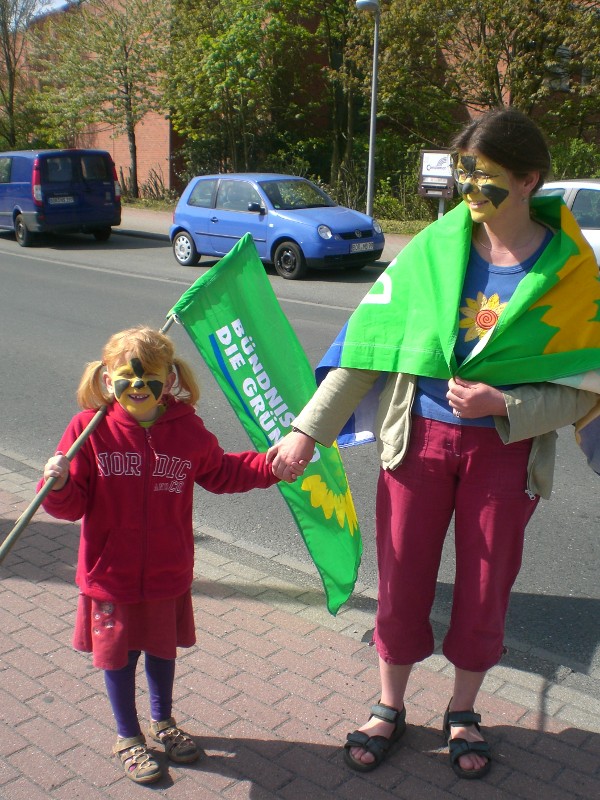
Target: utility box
[{"x": 436, "y": 179}]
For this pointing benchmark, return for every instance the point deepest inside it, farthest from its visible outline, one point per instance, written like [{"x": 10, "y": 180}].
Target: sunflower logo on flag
[
  {"x": 480, "y": 315},
  {"x": 331, "y": 502}
]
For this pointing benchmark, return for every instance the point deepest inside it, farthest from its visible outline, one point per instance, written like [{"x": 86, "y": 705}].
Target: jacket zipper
[{"x": 147, "y": 461}]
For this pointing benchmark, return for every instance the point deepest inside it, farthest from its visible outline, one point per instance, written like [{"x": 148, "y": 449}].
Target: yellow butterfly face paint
[
  {"x": 483, "y": 184},
  {"x": 137, "y": 391}
]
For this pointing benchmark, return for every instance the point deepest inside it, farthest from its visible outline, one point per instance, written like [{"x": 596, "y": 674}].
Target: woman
[{"x": 449, "y": 325}]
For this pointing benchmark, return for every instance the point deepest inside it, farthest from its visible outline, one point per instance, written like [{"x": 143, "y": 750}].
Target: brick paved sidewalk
[{"x": 269, "y": 692}]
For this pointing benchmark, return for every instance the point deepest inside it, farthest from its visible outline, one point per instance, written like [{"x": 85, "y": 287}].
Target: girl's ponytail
[
  {"x": 92, "y": 392},
  {"x": 186, "y": 387}
]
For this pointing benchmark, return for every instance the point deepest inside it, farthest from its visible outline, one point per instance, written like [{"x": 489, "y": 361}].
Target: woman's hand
[
  {"x": 471, "y": 400},
  {"x": 57, "y": 467},
  {"x": 290, "y": 457}
]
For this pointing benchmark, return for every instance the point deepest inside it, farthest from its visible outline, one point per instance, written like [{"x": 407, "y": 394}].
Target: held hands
[
  {"x": 57, "y": 467},
  {"x": 471, "y": 400},
  {"x": 290, "y": 457}
]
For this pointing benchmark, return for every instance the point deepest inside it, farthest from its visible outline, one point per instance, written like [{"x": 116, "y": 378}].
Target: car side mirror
[{"x": 256, "y": 207}]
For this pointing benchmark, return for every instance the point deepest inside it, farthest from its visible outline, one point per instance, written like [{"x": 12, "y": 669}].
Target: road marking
[{"x": 170, "y": 281}]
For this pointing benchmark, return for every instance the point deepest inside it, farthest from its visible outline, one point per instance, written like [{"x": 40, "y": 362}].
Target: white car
[{"x": 583, "y": 198}]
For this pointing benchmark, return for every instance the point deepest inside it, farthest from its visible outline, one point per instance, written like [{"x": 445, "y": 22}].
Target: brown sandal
[
  {"x": 178, "y": 745},
  {"x": 136, "y": 760}
]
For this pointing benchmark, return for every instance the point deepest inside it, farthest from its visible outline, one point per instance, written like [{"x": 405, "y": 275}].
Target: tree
[
  {"x": 233, "y": 79},
  {"x": 534, "y": 54},
  {"x": 15, "y": 18},
  {"x": 100, "y": 64}
]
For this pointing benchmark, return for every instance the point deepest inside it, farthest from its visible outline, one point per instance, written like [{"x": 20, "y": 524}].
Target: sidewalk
[
  {"x": 269, "y": 691},
  {"x": 144, "y": 222}
]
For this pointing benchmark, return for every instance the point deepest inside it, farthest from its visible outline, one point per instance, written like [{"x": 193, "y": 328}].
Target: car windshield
[
  {"x": 551, "y": 193},
  {"x": 288, "y": 194}
]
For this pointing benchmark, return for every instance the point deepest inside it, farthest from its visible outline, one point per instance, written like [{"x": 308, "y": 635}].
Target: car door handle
[{"x": 214, "y": 219}]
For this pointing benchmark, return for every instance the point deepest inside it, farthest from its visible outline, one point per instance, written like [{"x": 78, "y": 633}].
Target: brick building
[{"x": 156, "y": 143}]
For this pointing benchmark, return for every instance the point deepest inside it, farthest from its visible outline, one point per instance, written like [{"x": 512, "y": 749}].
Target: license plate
[
  {"x": 360, "y": 247},
  {"x": 61, "y": 201}
]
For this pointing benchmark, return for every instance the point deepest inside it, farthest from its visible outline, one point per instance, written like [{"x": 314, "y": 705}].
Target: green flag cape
[
  {"x": 549, "y": 330},
  {"x": 234, "y": 319}
]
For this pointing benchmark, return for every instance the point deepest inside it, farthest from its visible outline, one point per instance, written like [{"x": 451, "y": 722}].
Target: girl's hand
[
  {"x": 471, "y": 400},
  {"x": 57, "y": 467},
  {"x": 290, "y": 457}
]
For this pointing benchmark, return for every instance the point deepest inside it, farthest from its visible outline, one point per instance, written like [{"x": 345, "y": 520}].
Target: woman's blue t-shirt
[{"x": 486, "y": 291}]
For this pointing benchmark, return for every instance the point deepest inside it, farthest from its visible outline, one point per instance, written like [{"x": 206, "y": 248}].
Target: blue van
[{"x": 58, "y": 191}]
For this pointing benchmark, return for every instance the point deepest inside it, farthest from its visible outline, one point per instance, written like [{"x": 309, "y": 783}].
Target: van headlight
[{"x": 324, "y": 232}]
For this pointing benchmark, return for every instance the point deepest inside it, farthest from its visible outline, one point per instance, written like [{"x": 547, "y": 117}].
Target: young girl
[{"x": 132, "y": 485}]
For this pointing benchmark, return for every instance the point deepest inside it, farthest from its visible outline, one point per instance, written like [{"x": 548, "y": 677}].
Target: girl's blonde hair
[{"x": 154, "y": 350}]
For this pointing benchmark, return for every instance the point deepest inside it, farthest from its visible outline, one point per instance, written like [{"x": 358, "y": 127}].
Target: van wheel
[
  {"x": 102, "y": 234},
  {"x": 289, "y": 261},
  {"x": 23, "y": 235}
]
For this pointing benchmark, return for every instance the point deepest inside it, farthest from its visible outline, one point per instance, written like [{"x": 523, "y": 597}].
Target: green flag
[
  {"x": 233, "y": 317},
  {"x": 549, "y": 330}
]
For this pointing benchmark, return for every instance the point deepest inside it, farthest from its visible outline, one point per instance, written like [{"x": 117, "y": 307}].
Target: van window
[
  {"x": 95, "y": 168},
  {"x": 57, "y": 169},
  {"x": 5, "y": 164}
]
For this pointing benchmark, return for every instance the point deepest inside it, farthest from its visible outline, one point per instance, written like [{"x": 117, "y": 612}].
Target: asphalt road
[{"x": 61, "y": 300}]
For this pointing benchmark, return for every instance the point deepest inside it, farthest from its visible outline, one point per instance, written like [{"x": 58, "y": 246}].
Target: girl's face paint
[
  {"x": 137, "y": 391},
  {"x": 484, "y": 185}
]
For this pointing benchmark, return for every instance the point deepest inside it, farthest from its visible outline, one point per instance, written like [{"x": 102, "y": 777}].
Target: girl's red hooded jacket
[{"x": 133, "y": 488}]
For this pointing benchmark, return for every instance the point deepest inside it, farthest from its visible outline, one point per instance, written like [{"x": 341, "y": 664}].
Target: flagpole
[{"x": 25, "y": 518}]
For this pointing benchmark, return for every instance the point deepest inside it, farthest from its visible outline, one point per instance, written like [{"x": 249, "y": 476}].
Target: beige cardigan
[{"x": 534, "y": 411}]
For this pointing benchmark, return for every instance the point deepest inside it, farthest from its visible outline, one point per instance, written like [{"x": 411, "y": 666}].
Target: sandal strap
[
  {"x": 463, "y": 718},
  {"x": 129, "y": 743},
  {"x": 173, "y": 738},
  {"x": 137, "y": 762},
  {"x": 387, "y": 713},
  {"x": 163, "y": 725},
  {"x": 461, "y": 747},
  {"x": 377, "y": 746}
]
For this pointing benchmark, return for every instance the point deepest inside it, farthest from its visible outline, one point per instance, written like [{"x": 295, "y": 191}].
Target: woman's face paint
[
  {"x": 483, "y": 184},
  {"x": 137, "y": 391}
]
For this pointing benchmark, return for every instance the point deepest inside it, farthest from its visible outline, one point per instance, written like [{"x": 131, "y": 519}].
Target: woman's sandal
[
  {"x": 179, "y": 747},
  {"x": 136, "y": 760},
  {"x": 378, "y": 746},
  {"x": 462, "y": 747}
]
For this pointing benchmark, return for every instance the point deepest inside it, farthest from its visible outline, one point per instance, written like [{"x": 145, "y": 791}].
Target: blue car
[{"x": 294, "y": 224}]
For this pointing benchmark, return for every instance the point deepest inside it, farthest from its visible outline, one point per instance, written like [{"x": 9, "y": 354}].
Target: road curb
[{"x": 163, "y": 237}]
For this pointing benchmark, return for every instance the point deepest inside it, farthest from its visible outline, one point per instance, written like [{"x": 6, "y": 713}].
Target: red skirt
[{"x": 110, "y": 630}]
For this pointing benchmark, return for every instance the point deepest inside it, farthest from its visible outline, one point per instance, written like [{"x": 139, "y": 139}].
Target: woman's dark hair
[{"x": 510, "y": 138}]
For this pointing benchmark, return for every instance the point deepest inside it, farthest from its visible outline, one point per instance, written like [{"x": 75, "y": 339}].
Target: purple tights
[{"x": 120, "y": 685}]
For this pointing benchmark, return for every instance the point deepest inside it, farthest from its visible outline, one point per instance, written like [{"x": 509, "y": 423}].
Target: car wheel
[
  {"x": 184, "y": 249},
  {"x": 289, "y": 261},
  {"x": 23, "y": 235},
  {"x": 102, "y": 234}
]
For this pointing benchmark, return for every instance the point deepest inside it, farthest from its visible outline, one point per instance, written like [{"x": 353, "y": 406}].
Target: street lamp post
[{"x": 372, "y": 6}]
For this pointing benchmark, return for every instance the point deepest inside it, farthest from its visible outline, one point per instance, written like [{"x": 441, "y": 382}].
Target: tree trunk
[{"x": 130, "y": 126}]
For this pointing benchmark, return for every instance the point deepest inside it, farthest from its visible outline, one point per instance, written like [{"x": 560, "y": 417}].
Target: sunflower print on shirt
[{"x": 480, "y": 315}]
